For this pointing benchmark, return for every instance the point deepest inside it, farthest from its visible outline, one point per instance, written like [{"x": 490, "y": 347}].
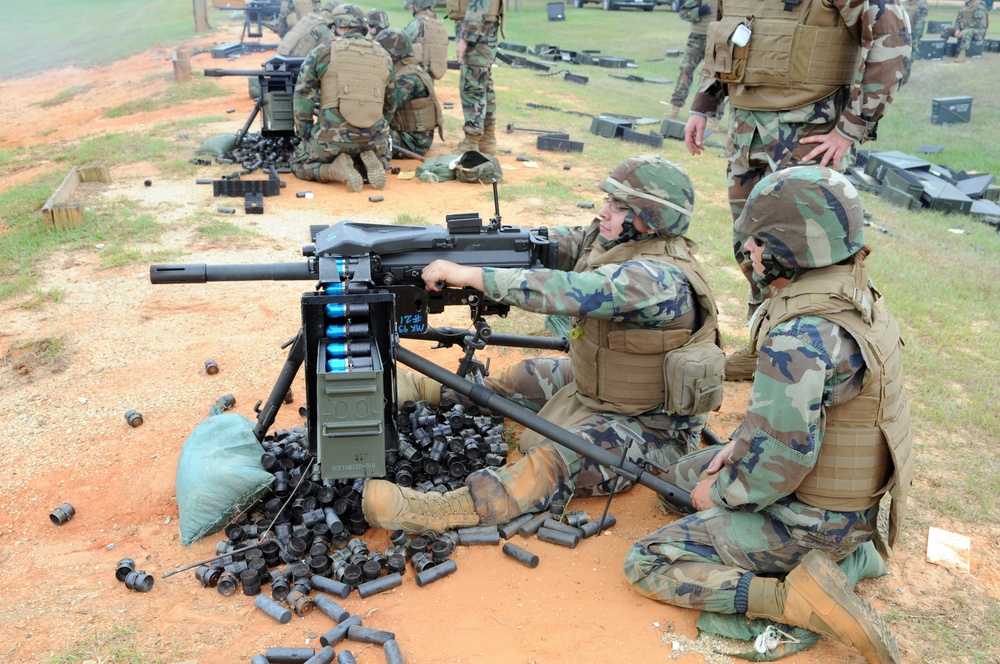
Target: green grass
[
  {"x": 97, "y": 33},
  {"x": 66, "y": 95},
  {"x": 175, "y": 95},
  {"x": 114, "y": 646},
  {"x": 218, "y": 229},
  {"x": 27, "y": 355}
]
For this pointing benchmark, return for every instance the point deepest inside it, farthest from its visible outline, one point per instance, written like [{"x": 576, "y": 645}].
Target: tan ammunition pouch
[
  {"x": 866, "y": 449},
  {"x": 356, "y": 80},
  {"x": 303, "y": 8},
  {"x": 793, "y": 57},
  {"x": 626, "y": 370},
  {"x": 423, "y": 114},
  {"x": 299, "y": 40},
  {"x": 432, "y": 49},
  {"x": 455, "y": 10}
]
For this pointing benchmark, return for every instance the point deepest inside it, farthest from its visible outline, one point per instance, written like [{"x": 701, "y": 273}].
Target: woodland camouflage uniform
[
  {"x": 764, "y": 141},
  {"x": 328, "y": 134},
  {"x": 645, "y": 295},
  {"x": 411, "y": 83},
  {"x": 699, "y": 14},
  {"x": 479, "y": 101},
  {"x": 916, "y": 10},
  {"x": 810, "y": 371},
  {"x": 973, "y": 19}
]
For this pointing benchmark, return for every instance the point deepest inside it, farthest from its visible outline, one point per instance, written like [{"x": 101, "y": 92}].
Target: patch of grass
[
  {"x": 114, "y": 646},
  {"x": 44, "y": 297},
  {"x": 173, "y": 96},
  {"x": 408, "y": 219},
  {"x": 218, "y": 229},
  {"x": 28, "y": 355},
  {"x": 66, "y": 95}
]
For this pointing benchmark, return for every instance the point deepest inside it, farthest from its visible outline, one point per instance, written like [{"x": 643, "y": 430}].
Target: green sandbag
[
  {"x": 218, "y": 474},
  {"x": 437, "y": 169},
  {"x": 864, "y": 563},
  {"x": 218, "y": 145}
]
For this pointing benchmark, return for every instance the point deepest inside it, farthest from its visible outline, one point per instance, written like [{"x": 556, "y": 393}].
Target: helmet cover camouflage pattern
[
  {"x": 349, "y": 16},
  {"x": 378, "y": 19},
  {"x": 658, "y": 191},
  {"x": 421, "y": 4},
  {"x": 396, "y": 43},
  {"x": 331, "y": 5},
  {"x": 805, "y": 217}
]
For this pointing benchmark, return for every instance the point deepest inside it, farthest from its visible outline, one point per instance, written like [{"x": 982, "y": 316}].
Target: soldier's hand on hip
[
  {"x": 694, "y": 134},
  {"x": 460, "y": 49},
  {"x": 830, "y": 148}
]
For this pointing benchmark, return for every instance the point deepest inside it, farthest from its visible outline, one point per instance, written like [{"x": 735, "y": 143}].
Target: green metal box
[
  {"x": 951, "y": 110},
  {"x": 350, "y": 420},
  {"x": 673, "y": 128}
]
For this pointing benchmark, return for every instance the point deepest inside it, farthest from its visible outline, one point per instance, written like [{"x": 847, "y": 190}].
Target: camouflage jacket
[
  {"x": 880, "y": 28},
  {"x": 474, "y": 26},
  {"x": 699, "y": 13},
  {"x": 973, "y": 16},
  {"x": 415, "y": 28},
  {"x": 816, "y": 364},
  {"x": 644, "y": 293},
  {"x": 917, "y": 11},
  {"x": 305, "y": 101}
]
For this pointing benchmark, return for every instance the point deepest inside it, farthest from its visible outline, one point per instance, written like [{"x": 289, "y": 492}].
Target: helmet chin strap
[
  {"x": 772, "y": 269},
  {"x": 629, "y": 232}
]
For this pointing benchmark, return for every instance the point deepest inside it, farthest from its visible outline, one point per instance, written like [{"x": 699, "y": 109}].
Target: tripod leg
[{"x": 267, "y": 413}]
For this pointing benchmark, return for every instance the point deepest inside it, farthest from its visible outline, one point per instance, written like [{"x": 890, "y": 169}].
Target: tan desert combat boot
[
  {"x": 675, "y": 112},
  {"x": 470, "y": 142},
  {"x": 816, "y": 596},
  {"x": 393, "y": 507},
  {"x": 961, "y": 57},
  {"x": 488, "y": 141},
  {"x": 741, "y": 364},
  {"x": 342, "y": 170},
  {"x": 375, "y": 169}
]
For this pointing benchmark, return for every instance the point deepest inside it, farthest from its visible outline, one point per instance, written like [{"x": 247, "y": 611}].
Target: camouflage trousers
[
  {"x": 324, "y": 144},
  {"x": 549, "y": 470},
  {"x": 968, "y": 36},
  {"x": 693, "y": 55},
  {"x": 697, "y": 561},
  {"x": 479, "y": 100},
  {"x": 414, "y": 141},
  {"x": 762, "y": 142}
]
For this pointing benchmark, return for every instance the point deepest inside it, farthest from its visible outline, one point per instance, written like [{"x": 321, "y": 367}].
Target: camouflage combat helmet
[
  {"x": 657, "y": 191},
  {"x": 331, "y": 5},
  {"x": 396, "y": 43},
  {"x": 349, "y": 16},
  {"x": 420, "y": 4},
  {"x": 378, "y": 19},
  {"x": 805, "y": 217}
]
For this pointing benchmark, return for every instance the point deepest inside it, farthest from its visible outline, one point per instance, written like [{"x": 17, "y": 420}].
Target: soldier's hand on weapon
[
  {"x": 441, "y": 273},
  {"x": 832, "y": 147},
  {"x": 460, "y": 49},
  {"x": 700, "y": 495},
  {"x": 694, "y": 134}
]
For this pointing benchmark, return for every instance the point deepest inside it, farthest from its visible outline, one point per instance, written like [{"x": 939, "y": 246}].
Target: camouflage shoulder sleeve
[
  {"x": 570, "y": 241},
  {"x": 643, "y": 293},
  {"x": 881, "y": 28},
  {"x": 804, "y": 365},
  {"x": 474, "y": 22},
  {"x": 307, "y": 87},
  {"x": 414, "y": 29}
]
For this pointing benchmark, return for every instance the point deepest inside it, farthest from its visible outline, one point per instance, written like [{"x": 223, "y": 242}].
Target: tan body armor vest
[
  {"x": 418, "y": 114},
  {"x": 432, "y": 50},
  {"x": 968, "y": 14},
  {"x": 792, "y": 58},
  {"x": 866, "y": 448},
  {"x": 619, "y": 368},
  {"x": 300, "y": 39},
  {"x": 356, "y": 80},
  {"x": 455, "y": 10}
]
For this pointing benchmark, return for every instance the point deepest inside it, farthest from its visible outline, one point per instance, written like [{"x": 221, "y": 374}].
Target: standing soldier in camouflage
[
  {"x": 308, "y": 32},
  {"x": 477, "y": 26},
  {"x": 290, "y": 13},
  {"x": 970, "y": 25},
  {"x": 636, "y": 295},
  {"x": 415, "y": 109},
  {"x": 378, "y": 21},
  {"x": 699, "y": 13},
  {"x": 429, "y": 36},
  {"x": 826, "y": 433},
  {"x": 341, "y": 104},
  {"x": 851, "y": 74},
  {"x": 916, "y": 11}
]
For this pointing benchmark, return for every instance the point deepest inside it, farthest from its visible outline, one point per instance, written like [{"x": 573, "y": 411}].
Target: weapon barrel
[
  {"x": 485, "y": 397},
  {"x": 215, "y": 71},
  {"x": 202, "y": 273}
]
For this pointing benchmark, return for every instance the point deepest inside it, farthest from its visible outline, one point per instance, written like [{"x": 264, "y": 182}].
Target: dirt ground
[{"x": 133, "y": 345}]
